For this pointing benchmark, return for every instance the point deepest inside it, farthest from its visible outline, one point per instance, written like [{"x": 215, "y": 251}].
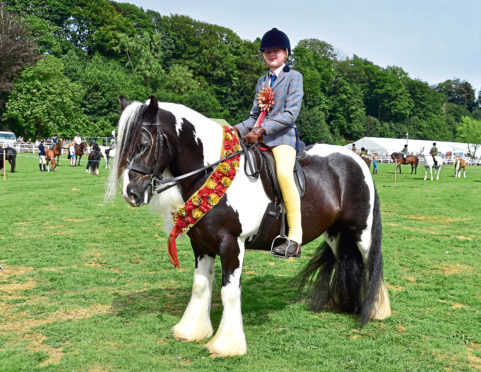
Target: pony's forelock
[{"x": 127, "y": 122}]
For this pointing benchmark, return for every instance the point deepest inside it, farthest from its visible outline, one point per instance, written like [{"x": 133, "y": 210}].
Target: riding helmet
[{"x": 275, "y": 39}]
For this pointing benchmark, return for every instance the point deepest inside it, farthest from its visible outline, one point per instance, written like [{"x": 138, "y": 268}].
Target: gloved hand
[
  {"x": 254, "y": 136},
  {"x": 237, "y": 131}
]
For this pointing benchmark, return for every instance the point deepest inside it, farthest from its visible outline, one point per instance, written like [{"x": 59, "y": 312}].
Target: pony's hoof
[
  {"x": 221, "y": 347},
  {"x": 192, "y": 333}
]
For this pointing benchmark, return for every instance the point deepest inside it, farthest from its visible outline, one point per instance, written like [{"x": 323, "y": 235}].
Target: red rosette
[
  {"x": 231, "y": 173},
  {"x": 220, "y": 190},
  {"x": 190, "y": 220},
  {"x": 205, "y": 206},
  {"x": 265, "y": 99},
  {"x": 204, "y": 193},
  {"x": 189, "y": 206},
  {"x": 217, "y": 176},
  {"x": 180, "y": 222},
  {"x": 228, "y": 145}
]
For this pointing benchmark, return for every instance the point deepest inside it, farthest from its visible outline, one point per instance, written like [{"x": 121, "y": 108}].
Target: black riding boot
[
  {"x": 40, "y": 166},
  {"x": 43, "y": 165},
  {"x": 289, "y": 248}
]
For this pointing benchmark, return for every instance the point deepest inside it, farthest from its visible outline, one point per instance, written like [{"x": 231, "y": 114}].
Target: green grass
[{"x": 89, "y": 286}]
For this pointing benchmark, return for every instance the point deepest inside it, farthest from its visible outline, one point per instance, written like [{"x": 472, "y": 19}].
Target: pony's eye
[{"x": 143, "y": 146}]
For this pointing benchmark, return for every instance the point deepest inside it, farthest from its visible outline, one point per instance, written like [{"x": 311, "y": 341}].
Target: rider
[
  {"x": 354, "y": 150},
  {"x": 434, "y": 153},
  {"x": 279, "y": 130},
  {"x": 364, "y": 153},
  {"x": 77, "y": 139},
  {"x": 404, "y": 153},
  {"x": 54, "y": 141}
]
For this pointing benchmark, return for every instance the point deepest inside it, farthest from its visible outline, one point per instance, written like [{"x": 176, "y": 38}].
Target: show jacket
[{"x": 280, "y": 122}]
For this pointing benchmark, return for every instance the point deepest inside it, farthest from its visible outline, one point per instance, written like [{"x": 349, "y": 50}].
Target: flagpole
[{"x": 407, "y": 139}]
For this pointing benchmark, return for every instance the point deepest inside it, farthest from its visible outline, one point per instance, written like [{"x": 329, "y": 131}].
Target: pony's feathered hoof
[
  {"x": 223, "y": 346},
  {"x": 382, "y": 307},
  {"x": 188, "y": 332}
]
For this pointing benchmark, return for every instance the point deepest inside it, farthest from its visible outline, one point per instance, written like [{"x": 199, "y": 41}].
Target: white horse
[
  {"x": 429, "y": 164},
  {"x": 108, "y": 154}
]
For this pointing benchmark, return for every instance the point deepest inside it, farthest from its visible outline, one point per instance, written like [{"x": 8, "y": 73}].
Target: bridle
[{"x": 157, "y": 181}]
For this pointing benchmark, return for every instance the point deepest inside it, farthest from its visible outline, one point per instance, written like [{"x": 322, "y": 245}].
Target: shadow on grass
[{"x": 261, "y": 295}]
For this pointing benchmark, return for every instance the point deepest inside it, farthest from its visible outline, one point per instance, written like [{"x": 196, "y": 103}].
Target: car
[{"x": 7, "y": 138}]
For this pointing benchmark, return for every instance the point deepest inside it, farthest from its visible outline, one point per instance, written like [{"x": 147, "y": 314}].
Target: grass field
[{"x": 89, "y": 286}]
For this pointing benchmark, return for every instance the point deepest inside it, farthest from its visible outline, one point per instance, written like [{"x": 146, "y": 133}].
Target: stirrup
[{"x": 285, "y": 237}]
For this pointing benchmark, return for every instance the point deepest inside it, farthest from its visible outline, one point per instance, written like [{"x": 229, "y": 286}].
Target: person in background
[
  {"x": 42, "y": 155},
  {"x": 54, "y": 141},
  {"x": 71, "y": 153},
  {"x": 77, "y": 139},
  {"x": 434, "y": 153},
  {"x": 374, "y": 163},
  {"x": 404, "y": 153},
  {"x": 354, "y": 150}
]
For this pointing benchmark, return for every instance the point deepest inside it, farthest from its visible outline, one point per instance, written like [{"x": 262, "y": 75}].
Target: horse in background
[
  {"x": 429, "y": 164},
  {"x": 411, "y": 160},
  {"x": 459, "y": 165},
  {"x": 50, "y": 158},
  {"x": 94, "y": 159},
  {"x": 57, "y": 151},
  {"x": 80, "y": 150},
  {"x": 108, "y": 154},
  {"x": 10, "y": 156},
  {"x": 162, "y": 143}
]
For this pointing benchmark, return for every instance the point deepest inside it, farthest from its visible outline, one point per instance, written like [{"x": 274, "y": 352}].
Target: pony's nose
[{"x": 133, "y": 197}]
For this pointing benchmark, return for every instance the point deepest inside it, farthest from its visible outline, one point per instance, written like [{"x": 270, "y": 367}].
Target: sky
[{"x": 432, "y": 40}]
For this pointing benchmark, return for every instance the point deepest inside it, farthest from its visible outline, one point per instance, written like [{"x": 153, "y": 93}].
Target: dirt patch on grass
[
  {"x": 396, "y": 288},
  {"x": 453, "y": 269},
  {"x": 458, "y": 306},
  {"x": 75, "y": 219},
  {"x": 48, "y": 226},
  {"x": 474, "y": 361},
  {"x": 443, "y": 220},
  {"x": 13, "y": 275},
  {"x": 35, "y": 344}
]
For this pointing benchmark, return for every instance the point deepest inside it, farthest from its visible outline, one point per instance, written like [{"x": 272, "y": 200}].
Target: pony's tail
[
  {"x": 14, "y": 162},
  {"x": 346, "y": 283},
  {"x": 417, "y": 161}
]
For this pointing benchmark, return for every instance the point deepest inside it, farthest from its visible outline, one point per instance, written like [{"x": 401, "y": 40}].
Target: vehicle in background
[{"x": 7, "y": 138}]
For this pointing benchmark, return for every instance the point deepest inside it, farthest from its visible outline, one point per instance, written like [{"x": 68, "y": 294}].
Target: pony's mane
[{"x": 127, "y": 134}]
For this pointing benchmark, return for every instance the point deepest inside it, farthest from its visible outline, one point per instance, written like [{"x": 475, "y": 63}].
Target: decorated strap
[
  {"x": 265, "y": 101},
  {"x": 208, "y": 196}
]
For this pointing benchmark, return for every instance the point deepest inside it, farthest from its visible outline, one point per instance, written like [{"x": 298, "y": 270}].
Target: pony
[
  {"x": 10, "y": 156},
  {"x": 367, "y": 160},
  {"x": 161, "y": 143},
  {"x": 412, "y": 160},
  {"x": 57, "y": 151},
  {"x": 108, "y": 153},
  {"x": 429, "y": 164},
  {"x": 80, "y": 150},
  {"x": 50, "y": 158},
  {"x": 93, "y": 163},
  {"x": 459, "y": 165}
]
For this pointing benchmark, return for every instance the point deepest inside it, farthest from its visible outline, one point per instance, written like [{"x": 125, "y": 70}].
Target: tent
[{"x": 386, "y": 146}]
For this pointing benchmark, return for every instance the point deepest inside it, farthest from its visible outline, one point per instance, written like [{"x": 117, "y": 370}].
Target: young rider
[
  {"x": 279, "y": 129},
  {"x": 404, "y": 152}
]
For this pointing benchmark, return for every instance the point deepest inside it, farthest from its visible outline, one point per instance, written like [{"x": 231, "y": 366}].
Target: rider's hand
[{"x": 254, "y": 136}]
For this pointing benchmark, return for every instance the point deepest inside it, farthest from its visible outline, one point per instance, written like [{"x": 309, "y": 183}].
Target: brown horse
[
  {"x": 459, "y": 165},
  {"x": 366, "y": 160},
  {"x": 410, "y": 160},
  {"x": 50, "y": 158},
  {"x": 57, "y": 151},
  {"x": 80, "y": 150}
]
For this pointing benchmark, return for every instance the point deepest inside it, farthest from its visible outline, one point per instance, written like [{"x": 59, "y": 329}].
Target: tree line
[{"x": 64, "y": 64}]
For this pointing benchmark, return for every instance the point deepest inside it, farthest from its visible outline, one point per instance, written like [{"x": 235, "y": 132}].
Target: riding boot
[
  {"x": 40, "y": 166},
  {"x": 43, "y": 166},
  {"x": 289, "y": 248}
]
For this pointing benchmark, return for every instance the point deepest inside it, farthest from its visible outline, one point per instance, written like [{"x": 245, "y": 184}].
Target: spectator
[
  {"x": 71, "y": 154},
  {"x": 42, "y": 154}
]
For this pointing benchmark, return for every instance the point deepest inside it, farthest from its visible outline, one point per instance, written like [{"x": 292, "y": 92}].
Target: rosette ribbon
[{"x": 265, "y": 101}]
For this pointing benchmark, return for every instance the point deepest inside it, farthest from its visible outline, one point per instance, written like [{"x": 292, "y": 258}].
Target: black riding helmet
[{"x": 275, "y": 39}]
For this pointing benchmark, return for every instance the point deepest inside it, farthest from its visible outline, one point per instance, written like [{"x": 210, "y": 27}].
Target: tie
[{"x": 273, "y": 78}]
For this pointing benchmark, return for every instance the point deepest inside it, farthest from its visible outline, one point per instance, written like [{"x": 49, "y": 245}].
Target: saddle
[{"x": 260, "y": 162}]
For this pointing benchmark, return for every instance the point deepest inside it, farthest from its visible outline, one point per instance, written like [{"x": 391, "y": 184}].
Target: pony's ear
[
  {"x": 151, "y": 111},
  {"x": 124, "y": 102}
]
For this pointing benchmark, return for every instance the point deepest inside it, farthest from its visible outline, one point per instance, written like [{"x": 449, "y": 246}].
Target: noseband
[{"x": 154, "y": 172}]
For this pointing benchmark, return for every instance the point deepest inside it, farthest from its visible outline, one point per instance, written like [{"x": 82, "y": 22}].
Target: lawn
[{"x": 88, "y": 285}]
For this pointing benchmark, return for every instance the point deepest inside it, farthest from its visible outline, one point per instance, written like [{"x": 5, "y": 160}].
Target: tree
[
  {"x": 469, "y": 130},
  {"x": 44, "y": 101},
  {"x": 459, "y": 92},
  {"x": 17, "y": 50}
]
